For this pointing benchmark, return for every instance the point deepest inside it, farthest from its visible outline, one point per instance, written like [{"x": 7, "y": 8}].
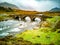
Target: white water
[{"x": 11, "y": 27}]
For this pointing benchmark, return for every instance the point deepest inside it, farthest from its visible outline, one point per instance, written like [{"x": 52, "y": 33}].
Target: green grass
[
  {"x": 4, "y": 17},
  {"x": 37, "y": 36},
  {"x": 43, "y": 35}
]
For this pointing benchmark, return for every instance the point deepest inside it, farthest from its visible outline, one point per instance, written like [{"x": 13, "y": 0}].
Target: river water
[{"x": 11, "y": 27}]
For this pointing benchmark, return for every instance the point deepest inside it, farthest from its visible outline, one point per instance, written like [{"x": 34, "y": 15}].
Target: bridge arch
[
  {"x": 37, "y": 19},
  {"x": 22, "y": 17}
]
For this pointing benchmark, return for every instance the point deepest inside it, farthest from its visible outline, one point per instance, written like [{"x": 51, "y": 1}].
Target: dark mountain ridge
[
  {"x": 8, "y": 5},
  {"x": 56, "y": 9}
]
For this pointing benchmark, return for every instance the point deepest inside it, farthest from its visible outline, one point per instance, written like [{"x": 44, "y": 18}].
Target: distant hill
[
  {"x": 8, "y": 5},
  {"x": 13, "y": 9},
  {"x": 56, "y": 9},
  {"x": 2, "y": 9}
]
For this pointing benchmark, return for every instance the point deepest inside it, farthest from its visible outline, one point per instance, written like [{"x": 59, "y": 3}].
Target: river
[{"x": 11, "y": 27}]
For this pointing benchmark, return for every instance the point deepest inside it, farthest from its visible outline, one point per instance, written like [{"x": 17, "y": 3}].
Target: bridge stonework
[{"x": 42, "y": 17}]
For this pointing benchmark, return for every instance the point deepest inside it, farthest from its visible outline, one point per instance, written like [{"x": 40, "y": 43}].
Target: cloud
[
  {"x": 37, "y": 5},
  {"x": 28, "y": 4}
]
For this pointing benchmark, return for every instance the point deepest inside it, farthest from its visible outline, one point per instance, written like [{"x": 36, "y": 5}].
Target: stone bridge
[{"x": 32, "y": 17}]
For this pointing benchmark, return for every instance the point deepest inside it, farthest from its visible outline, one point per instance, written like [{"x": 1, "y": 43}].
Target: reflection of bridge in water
[{"x": 32, "y": 17}]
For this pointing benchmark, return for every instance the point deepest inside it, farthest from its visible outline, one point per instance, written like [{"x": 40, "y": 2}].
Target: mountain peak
[
  {"x": 56, "y": 9},
  {"x": 6, "y": 4}
]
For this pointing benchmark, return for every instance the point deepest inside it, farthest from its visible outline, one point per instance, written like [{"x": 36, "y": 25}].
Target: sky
[{"x": 35, "y": 5}]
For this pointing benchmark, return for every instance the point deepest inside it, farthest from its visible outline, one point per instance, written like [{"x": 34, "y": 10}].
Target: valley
[{"x": 25, "y": 27}]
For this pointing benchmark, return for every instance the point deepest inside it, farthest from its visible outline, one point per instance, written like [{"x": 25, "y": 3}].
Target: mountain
[
  {"x": 56, "y": 9},
  {"x": 8, "y": 5},
  {"x": 2, "y": 9}
]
